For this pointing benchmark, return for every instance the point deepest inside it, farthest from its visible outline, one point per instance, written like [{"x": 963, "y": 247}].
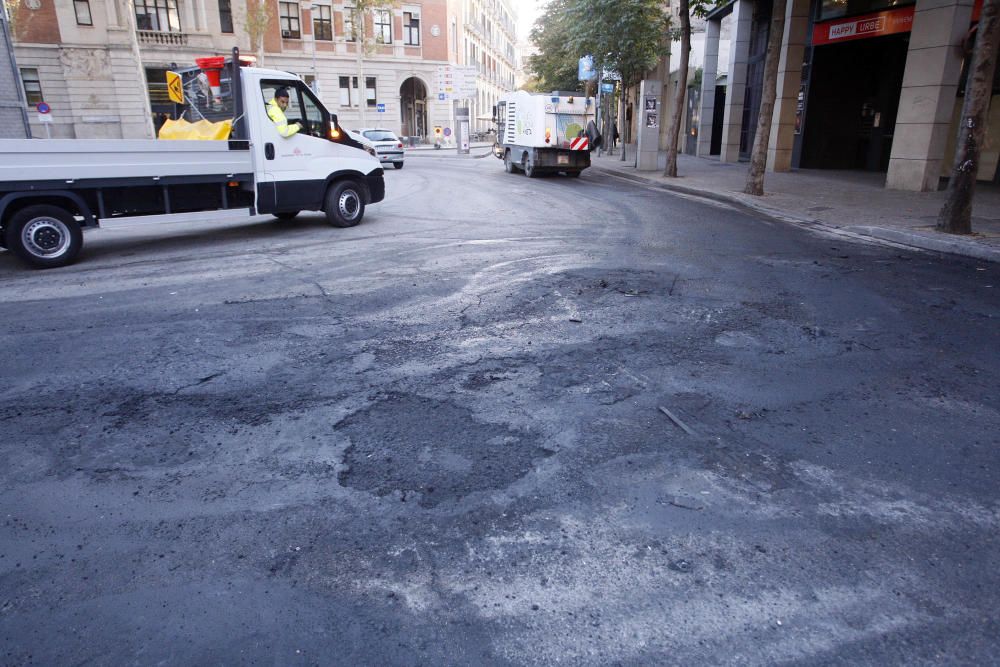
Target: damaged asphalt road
[{"x": 437, "y": 438}]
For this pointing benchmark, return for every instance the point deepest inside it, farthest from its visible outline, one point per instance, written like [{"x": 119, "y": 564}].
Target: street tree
[
  {"x": 258, "y": 20},
  {"x": 555, "y": 64},
  {"x": 758, "y": 156},
  {"x": 956, "y": 214},
  {"x": 686, "y": 9},
  {"x": 673, "y": 134},
  {"x": 629, "y": 38},
  {"x": 14, "y": 10},
  {"x": 364, "y": 44}
]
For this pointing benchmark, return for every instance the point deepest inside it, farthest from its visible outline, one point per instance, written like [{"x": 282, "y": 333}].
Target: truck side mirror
[{"x": 494, "y": 113}]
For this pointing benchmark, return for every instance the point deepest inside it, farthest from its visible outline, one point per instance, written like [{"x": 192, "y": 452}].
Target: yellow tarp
[{"x": 202, "y": 130}]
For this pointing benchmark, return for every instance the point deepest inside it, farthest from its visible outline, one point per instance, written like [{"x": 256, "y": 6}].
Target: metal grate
[{"x": 510, "y": 127}]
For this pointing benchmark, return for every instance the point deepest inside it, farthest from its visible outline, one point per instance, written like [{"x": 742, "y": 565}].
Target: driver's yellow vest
[{"x": 275, "y": 113}]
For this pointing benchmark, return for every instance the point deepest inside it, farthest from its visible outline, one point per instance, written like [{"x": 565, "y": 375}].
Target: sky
[{"x": 527, "y": 12}]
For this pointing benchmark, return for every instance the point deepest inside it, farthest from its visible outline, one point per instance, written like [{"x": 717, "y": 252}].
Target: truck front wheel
[
  {"x": 44, "y": 236},
  {"x": 345, "y": 204},
  {"x": 508, "y": 163}
]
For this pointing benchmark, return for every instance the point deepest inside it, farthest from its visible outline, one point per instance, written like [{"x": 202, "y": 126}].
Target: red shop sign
[{"x": 863, "y": 27}]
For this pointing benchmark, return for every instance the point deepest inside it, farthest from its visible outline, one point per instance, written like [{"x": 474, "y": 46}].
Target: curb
[{"x": 885, "y": 235}]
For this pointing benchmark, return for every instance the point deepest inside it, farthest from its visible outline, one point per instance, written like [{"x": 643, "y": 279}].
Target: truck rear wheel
[
  {"x": 529, "y": 168},
  {"x": 345, "y": 204},
  {"x": 44, "y": 236}
]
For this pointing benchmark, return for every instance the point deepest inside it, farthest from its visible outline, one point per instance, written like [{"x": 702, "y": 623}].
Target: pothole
[{"x": 431, "y": 451}]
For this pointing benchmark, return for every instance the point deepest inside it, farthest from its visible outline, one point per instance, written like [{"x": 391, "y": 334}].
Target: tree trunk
[
  {"x": 758, "y": 157},
  {"x": 956, "y": 214},
  {"x": 680, "y": 93}
]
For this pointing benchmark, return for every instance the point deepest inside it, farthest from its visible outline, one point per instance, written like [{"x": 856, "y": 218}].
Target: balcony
[{"x": 157, "y": 38}]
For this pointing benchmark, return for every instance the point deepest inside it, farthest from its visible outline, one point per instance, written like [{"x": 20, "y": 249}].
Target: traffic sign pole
[{"x": 44, "y": 118}]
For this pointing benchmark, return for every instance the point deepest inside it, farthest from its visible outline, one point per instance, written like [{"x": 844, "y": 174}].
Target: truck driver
[{"x": 276, "y": 112}]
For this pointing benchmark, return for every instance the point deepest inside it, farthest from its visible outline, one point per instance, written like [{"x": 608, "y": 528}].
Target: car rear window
[{"x": 380, "y": 135}]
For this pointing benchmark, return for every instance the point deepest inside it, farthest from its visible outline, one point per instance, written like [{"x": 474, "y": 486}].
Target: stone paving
[{"x": 852, "y": 201}]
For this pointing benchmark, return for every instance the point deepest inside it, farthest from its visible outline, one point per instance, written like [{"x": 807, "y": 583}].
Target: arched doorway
[{"x": 413, "y": 107}]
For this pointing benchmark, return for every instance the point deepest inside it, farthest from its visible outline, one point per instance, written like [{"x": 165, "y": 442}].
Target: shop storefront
[
  {"x": 868, "y": 85},
  {"x": 853, "y": 75},
  {"x": 852, "y": 78}
]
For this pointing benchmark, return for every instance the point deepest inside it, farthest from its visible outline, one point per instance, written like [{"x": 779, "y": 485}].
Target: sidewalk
[{"x": 850, "y": 201}]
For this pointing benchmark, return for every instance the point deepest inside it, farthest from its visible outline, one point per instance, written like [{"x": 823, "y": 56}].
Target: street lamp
[{"x": 315, "y": 83}]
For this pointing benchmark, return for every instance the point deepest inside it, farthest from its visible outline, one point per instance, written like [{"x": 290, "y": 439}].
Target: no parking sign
[{"x": 44, "y": 112}]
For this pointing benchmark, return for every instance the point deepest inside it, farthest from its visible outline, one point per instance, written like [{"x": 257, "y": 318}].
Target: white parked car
[
  {"x": 361, "y": 139},
  {"x": 388, "y": 146}
]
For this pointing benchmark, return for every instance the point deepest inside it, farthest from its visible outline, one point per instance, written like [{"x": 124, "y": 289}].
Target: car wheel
[
  {"x": 285, "y": 216},
  {"x": 397, "y": 165},
  {"x": 345, "y": 204},
  {"x": 44, "y": 236}
]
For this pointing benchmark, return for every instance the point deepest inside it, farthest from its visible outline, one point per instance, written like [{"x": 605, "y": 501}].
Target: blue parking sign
[{"x": 380, "y": 108}]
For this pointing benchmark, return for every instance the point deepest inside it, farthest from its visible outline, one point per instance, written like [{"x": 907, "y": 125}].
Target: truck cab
[{"x": 296, "y": 173}]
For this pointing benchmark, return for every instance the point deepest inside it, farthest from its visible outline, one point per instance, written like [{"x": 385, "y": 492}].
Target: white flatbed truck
[
  {"x": 52, "y": 188},
  {"x": 545, "y": 132}
]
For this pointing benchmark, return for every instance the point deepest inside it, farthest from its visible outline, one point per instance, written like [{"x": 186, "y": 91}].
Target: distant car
[
  {"x": 388, "y": 146},
  {"x": 361, "y": 139}
]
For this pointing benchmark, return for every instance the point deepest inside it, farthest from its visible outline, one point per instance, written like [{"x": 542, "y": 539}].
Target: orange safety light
[{"x": 334, "y": 133}]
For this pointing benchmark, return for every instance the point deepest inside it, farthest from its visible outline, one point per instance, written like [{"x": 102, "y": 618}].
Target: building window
[
  {"x": 157, "y": 15},
  {"x": 289, "y": 16},
  {"x": 83, "y": 16},
  {"x": 349, "y": 92},
  {"x": 32, "y": 86},
  {"x": 323, "y": 23},
  {"x": 411, "y": 28},
  {"x": 349, "y": 23},
  {"x": 383, "y": 26},
  {"x": 345, "y": 91},
  {"x": 226, "y": 16}
]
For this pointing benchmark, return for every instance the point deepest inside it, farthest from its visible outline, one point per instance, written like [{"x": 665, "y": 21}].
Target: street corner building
[
  {"x": 77, "y": 56},
  {"x": 865, "y": 85}
]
